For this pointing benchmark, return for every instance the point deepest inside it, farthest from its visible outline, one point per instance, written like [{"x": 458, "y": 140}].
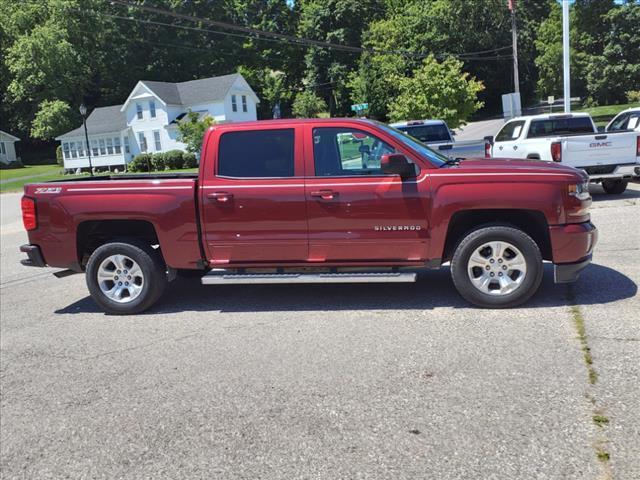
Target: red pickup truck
[{"x": 315, "y": 201}]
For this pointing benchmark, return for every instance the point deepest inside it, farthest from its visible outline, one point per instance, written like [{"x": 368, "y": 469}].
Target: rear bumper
[
  {"x": 34, "y": 255},
  {"x": 569, "y": 272},
  {"x": 624, "y": 172}
]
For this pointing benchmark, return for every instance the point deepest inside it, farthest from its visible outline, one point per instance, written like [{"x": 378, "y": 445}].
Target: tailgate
[{"x": 603, "y": 149}]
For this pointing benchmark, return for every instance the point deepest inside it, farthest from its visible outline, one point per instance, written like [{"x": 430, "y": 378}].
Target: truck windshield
[
  {"x": 560, "y": 126},
  {"x": 427, "y": 133},
  {"x": 435, "y": 158}
]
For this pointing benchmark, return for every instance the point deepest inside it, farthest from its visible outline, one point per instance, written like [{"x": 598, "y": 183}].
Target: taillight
[
  {"x": 556, "y": 151},
  {"x": 487, "y": 150},
  {"x": 29, "y": 218}
]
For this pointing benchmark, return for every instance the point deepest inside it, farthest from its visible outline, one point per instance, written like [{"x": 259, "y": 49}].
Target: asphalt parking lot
[{"x": 325, "y": 381}]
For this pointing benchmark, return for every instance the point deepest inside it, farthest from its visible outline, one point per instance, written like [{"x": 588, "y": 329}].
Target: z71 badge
[{"x": 48, "y": 190}]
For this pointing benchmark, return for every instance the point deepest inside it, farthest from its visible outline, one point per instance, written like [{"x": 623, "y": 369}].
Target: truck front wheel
[
  {"x": 614, "y": 187},
  {"x": 125, "y": 278},
  {"x": 497, "y": 267}
]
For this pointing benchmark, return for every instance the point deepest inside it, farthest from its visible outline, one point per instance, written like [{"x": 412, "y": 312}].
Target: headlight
[{"x": 580, "y": 190}]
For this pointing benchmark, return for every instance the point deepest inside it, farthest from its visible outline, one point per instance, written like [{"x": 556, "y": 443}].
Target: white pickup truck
[
  {"x": 611, "y": 158},
  {"x": 437, "y": 135}
]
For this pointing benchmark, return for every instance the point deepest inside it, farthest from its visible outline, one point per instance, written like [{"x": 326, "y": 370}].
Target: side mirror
[
  {"x": 489, "y": 138},
  {"x": 397, "y": 164}
]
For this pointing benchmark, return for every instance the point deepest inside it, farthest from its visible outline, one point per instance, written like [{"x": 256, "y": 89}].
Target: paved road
[
  {"x": 325, "y": 382},
  {"x": 479, "y": 130}
]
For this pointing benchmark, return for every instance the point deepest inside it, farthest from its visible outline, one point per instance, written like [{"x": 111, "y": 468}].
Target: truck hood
[{"x": 514, "y": 165}]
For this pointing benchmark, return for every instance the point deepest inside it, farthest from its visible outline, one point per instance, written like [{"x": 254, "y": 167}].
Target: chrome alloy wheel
[
  {"x": 497, "y": 268},
  {"x": 120, "y": 278}
]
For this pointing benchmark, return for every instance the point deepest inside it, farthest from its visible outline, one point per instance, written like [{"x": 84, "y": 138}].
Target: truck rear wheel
[
  {"x": 125, "y": 278},
  {"x": 497, "y": 267},
  {"x": 614, "y": 187}
]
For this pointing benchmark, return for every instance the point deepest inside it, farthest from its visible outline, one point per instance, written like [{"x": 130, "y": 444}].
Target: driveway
[{"x": 325, "y": 381}]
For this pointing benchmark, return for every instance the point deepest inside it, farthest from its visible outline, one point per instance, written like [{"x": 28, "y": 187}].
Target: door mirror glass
[{"x": 397, "y": 164}]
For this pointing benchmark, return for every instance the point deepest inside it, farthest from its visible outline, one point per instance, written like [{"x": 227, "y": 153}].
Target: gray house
[{"x": 8, "y": 148}]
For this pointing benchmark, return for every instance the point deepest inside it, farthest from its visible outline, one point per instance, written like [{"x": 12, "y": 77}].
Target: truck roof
[
  {"x": 550, "y": 116},
  {"x": 410, "y": 123},
  {"x": 291, "y": 121}
]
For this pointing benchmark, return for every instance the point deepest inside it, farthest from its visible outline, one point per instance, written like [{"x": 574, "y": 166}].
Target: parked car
[
  {"x": 610, "y": 158},
  {"x": 628, "y": 119},
  {"x": 437, "y": 135},
  {"x": 315, "y": 201}
]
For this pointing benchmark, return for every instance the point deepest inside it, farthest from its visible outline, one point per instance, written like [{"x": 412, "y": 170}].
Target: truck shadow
[
  {"x": 597, "y": 285},
  {"x": 598, "y": 195}
]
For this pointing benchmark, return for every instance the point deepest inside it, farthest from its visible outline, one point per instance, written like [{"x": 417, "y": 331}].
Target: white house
[
  {"x": 8, "y": 148},
  {"x": 148, "y": 119}
]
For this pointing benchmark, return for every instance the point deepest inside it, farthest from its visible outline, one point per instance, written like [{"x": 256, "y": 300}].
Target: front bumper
[
  {"x": 35, "y": 256},
  {"x": 569, "y": 272}
]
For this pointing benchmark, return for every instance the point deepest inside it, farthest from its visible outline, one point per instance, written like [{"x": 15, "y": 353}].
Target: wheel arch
[{"x": 532, "y": 222}]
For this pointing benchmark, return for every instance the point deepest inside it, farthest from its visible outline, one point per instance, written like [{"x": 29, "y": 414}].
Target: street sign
[
  {"x": 551, "y": 99},
  {"x": 359, "y": 107}
]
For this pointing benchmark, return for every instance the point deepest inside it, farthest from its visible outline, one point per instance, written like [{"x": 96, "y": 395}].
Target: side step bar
[{"x": 215, "y": 278}]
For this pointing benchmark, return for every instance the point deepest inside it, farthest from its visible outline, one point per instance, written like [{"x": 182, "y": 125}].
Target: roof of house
[
  {"x": 101, "y": 120},
  {"x": 14, "y": 138},
  {"x": 193, "y": 92}
]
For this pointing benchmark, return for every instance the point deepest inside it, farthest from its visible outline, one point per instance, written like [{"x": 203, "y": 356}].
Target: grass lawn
[
  {"x": 17, "y": 185},
  {"x": 29, "y": 170},
  {"x": 603, "y": 115}
]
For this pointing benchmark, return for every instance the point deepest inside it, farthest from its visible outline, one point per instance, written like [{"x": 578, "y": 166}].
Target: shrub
[
  {"x": 59, "y": 158},
  {"x": 633, "y": 96},
  {"x": 141, "y": 163},
  {"x": 173, "y": 159},
  {"x": 158, "y": 162},
  {"x": 189, "y": 160}
]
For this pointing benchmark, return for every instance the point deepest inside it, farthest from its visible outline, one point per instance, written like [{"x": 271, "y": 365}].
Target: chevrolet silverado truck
[
  {"x": 437, "y": 135},
  {"x": 611, "y": 158},
  {"x": 315, "y": 201}
]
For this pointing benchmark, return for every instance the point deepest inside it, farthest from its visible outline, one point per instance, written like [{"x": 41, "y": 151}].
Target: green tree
[
  {"x": 437, "y": 90},
  {"x": 191, "y": 130},
  {"x": 308, "y": 105},
  {"x": 52, "y": 119}
]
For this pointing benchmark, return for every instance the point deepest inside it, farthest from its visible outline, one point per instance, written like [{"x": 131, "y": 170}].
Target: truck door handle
[
  {"x": 500, "y": 147},
  {"x": 221, "y": 197},
  {"x": 515, "y": 147},
  {"x": 324, "y": 194}
]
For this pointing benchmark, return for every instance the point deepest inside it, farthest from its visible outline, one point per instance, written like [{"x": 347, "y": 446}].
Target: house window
[
  {"x": 81, "y": 149},
  {"x": 152, "y": 109},
  {"x": 234, "y": 103},
  {"x": 110, "y": 146},
  {"x": 142, "y": 141},
  {"x": 244, "y": 103},
  {"x": 126, "y": 144},
  {"x": 3, "y": 149},
  {"x": 156, "y": 139},
  {"x": 65, "y": 150},
  {"x": 72, "y": 149},
  {"x": 94, "y": 147},
  {"x": 116, "y": 145},
  {"x": 103, "y": 150},
  {"x": 139, "y": 110}
]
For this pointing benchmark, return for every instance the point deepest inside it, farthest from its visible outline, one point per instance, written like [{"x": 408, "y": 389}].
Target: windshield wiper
[{"x": 451, "y": 162}]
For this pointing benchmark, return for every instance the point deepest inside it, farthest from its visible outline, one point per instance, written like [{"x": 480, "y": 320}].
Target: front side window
[
  {"x": 257, "y": 154},
  {"x": 139, "y": 110},
  {"x": 560, "y": 126},
  {"x": 142, "y": 141},
  {"x": 511, "y": 131},
  {"x": 234, "y": 103},
  {"x": 244, "y": 103},
  {"x": 345, "y": 151},
  {"x": 156, "y": 140},
  {"x": 152, "y": 109}
]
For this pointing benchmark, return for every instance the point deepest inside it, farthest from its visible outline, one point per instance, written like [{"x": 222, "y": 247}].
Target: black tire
[
  {"x": 474, "y": 240},
  {"x": 614, "y": 187},
  {"x": 153, "y": 270}
]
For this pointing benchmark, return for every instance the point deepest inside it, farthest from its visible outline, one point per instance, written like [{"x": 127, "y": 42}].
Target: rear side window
[
  {"x": 428, "y": 133},
  {"x": 511, "y": 131},
  {"x": 257, "y": 153},
  {"x": 560, "y": 126}
]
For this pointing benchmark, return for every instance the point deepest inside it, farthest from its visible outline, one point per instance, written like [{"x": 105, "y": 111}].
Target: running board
[{"x": 260, "y": 278}]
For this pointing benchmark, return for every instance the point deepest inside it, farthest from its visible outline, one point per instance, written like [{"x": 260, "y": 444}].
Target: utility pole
[
  {"x": 514, "y": 39},
  {"x": 565, "y": 56}
]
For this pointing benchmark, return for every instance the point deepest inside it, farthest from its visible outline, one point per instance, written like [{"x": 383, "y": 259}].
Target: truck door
[
  {"x": 506, "y": 143},
  {"x": 357, "y": 213},
  {"x": 253, "y": 200}
]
